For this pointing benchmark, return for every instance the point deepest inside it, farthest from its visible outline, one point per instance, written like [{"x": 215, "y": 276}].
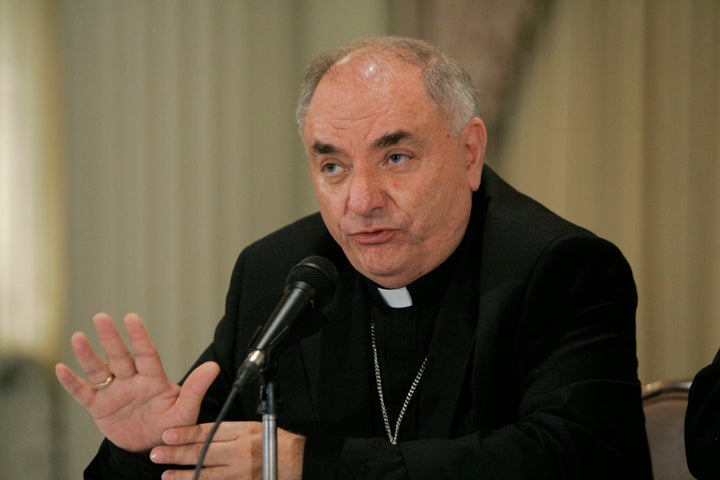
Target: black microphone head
[{"x": 319, "y": 274}]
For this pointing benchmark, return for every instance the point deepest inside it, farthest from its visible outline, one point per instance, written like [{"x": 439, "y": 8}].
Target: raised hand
[{"x": 130, "y": 398}]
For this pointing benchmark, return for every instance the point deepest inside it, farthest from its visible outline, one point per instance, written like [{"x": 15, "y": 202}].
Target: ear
[{"x": 474, "y": 144}]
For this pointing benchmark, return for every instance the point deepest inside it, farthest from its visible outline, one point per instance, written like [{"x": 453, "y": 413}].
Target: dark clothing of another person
[{"x": 702, "y": 423}]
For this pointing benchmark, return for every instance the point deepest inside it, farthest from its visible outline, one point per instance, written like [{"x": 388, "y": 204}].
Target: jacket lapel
[{"x": 337, "y": 364}]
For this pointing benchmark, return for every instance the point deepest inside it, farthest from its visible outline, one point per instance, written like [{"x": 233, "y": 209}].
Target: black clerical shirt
[{"x": 403, "y": 339}]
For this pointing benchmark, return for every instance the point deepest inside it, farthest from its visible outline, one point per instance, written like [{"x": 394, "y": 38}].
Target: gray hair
[{"x": 447, "y": 82}]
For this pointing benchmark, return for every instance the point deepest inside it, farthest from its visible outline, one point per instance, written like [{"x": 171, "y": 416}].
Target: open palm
[{"x": 140, "y": 402}]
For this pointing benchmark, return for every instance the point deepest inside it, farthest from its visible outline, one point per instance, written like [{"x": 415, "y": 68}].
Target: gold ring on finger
[{"x": 105, "y": 383}]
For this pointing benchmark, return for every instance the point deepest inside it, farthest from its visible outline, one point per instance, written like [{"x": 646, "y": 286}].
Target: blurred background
[{"x": 143, "y": 144}]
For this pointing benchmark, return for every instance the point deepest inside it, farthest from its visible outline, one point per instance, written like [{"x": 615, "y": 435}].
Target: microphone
[{"x": 310, "y": 284}]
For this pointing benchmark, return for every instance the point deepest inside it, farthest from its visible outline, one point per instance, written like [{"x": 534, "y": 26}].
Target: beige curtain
[
  {"x": 615, "y": 124},
  {"x": 31, "y": 194}
]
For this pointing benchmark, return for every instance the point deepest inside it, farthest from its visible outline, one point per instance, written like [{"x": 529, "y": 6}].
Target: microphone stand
[{"x": 268, "y": 407}]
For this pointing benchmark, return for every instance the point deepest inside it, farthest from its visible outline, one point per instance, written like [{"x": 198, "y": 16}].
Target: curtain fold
[{"x": 31, "y": 183}]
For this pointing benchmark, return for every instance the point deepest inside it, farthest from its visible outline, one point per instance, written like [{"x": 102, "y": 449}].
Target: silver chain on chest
[{"x": 378, "y": 380}]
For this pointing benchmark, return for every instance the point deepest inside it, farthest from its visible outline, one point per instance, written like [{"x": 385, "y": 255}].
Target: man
[{"x": 472, "y": 334}]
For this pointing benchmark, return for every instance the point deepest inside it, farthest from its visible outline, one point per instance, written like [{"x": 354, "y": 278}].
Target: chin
[
  {"x": 386, "y": 267},
  {"x": 379, "y": 272},
  {"x": 388, "y": 277}
]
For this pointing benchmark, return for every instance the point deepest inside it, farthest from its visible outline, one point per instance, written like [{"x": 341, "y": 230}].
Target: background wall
[{"x": 164, "y": 142}]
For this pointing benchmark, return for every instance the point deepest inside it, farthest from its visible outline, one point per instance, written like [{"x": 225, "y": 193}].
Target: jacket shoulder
[{"x": 518, "y": 230}]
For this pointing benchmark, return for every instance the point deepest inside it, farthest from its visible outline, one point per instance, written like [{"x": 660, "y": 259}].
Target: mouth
[{"x": 373, "y": 236}]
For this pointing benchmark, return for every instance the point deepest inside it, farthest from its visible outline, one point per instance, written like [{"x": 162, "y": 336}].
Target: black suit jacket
[{"x": 532, "y": 371}]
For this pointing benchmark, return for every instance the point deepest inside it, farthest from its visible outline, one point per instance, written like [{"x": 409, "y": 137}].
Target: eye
[
  {"x": 398, "y": 158},
  {"x": 330, "y": 169}
]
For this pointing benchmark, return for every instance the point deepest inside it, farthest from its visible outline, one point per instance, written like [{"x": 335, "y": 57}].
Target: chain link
[{"x": 378, "y": 380}]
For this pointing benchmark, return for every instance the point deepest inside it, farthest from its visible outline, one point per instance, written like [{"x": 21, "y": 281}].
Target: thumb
[{"x": 194, "y": 388}]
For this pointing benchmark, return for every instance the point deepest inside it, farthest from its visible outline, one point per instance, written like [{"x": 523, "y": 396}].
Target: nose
[{"x": 366, "y": 195}]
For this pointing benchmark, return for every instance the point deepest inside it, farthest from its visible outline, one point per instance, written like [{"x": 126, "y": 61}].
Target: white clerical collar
[{"x": 396, "y": 298}]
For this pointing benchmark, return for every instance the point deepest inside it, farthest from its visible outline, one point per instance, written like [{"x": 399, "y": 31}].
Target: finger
[
  {"x": 93, "y": 366},
  {"x": 147, "y": 360},
  {"x": 176, "y": 454},
  {"x": 229, "y": 431},
  {"x": 190, "y": 454},
  {"x": 208, "y": 473},
  {"x": 119, "y": 360},
  {"x": 185, "y": 435},
  {"x": 80, "y": 389},
  {"x": 198, "y": 433},
  {"x": 237, "y": 452},
  {"x": 194, "y": 388}
]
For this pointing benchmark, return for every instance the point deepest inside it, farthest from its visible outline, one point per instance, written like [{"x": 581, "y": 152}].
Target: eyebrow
[
  {"x": 393, "y": 138},
  {"x": 320, "y": 148}
]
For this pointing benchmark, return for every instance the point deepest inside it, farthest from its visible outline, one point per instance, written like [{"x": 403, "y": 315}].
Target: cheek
[
  {"x": 325, "y": 204},
  {"x": 440, "y": 202},
  {"x": 322, "y": 194},
  {"x": 330, "y": 208}
]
